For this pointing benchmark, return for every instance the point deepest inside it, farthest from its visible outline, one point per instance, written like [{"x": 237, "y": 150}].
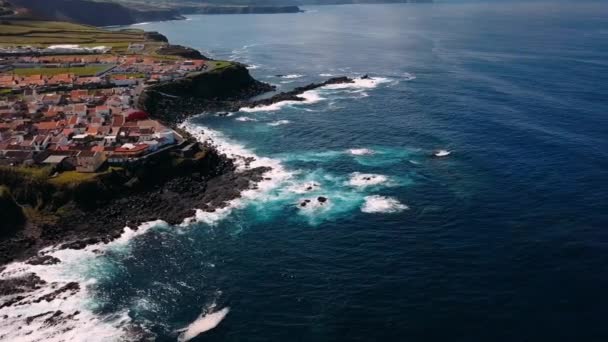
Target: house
[
  {"x": 47, "y": 125},
  {"x": 33, "y": 80},
  {"x": 61, "y": 79},
  {"x": 79, "y": 95},
  {"x": 123, "y": 81},
  {"x": 52, "y": 99},
  {"x": 60, "y": 163},
  {"x": 89, "y": 161},
  {"x": 80, "y": 109},
  {"x": 127, "y": 151},
  {"x": 102, "y": 110}
]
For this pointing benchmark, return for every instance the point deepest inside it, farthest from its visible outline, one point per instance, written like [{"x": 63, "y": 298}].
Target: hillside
[{"x": 94, "y": 12}]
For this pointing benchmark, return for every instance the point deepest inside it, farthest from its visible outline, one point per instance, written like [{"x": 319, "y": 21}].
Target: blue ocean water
[{"x": 505, "y": 239}]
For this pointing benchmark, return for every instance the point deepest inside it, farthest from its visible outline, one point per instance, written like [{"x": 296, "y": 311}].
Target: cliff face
[
  {"x": 94, "y": 13},
  {"x": 210, "y": 91},
  {"x": 216, "y": 9},
  {"x": 11, "y": 215}
]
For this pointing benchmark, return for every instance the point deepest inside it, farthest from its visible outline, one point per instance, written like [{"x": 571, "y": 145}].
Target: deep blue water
[{"x": 506, "y": 239}]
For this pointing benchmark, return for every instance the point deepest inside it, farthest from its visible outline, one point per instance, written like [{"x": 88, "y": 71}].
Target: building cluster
[
  {"x": 70, "y": 121},
  {"x": 91, "y": 71},
  {"x": 80, "y": 130}
]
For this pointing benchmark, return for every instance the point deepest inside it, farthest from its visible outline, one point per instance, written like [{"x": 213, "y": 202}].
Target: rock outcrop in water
[
  {"x": 227, "y": 90},
  {"x": 216, "y": 90}
]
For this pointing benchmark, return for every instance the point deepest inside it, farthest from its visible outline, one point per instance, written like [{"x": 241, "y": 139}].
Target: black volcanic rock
[
  {"x": 181, "y": 51},
  {"x": 12, "y": 217}
]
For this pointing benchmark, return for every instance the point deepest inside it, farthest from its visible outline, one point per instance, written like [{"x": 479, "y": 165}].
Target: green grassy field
[
  {"x": 78, "y": 71},
  {"x": 44, "y": 33}
]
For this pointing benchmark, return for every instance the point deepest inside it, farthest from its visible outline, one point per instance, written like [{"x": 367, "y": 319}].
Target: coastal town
[{"x": 75, "y": 109}]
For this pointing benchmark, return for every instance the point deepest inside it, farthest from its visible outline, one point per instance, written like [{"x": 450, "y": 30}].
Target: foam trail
[
  {"x": 245, "y": 119},
  {"x": 203, "y": 323},
  {"x": 309, "y": 97},
  {"x": 380, "y": 204},
  {"x": 292, "y": 76},
  {"x": 361, "y": 151},
  {"x": 408, "y": 76},
  {"x": 279, "y": 123},
  {"x": 442, "y": 153}
]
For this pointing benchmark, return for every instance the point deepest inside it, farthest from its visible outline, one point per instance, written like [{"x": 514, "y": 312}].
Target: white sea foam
[
  {"x": 244, "y": 159},
  {"x": 279, "y": 123},
  {"x": 75, "y": 267},
  {"x": 442, "y": 153},
  {"x": 361, "y": 151},
  {"x": 245, "y": 119},
  {"x": 360, "y": 83},
  {"x": 203, "y": 323},
  {"x": 408, "y": 76},
  {"x": 310, "y": 97},
  {"x": 253, "y": 66},
  {"x": 301, "y": 188},
  {"x": 326, "y": 75},
  {"x": 292, "y": 76},
  {"x": 363, "y": 180},
  {"x": 381, "y": 204},
  {"x": 85, "y": 325}
]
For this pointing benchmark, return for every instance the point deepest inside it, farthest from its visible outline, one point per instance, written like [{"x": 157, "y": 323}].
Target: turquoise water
[{"x": 502, "y": 240}]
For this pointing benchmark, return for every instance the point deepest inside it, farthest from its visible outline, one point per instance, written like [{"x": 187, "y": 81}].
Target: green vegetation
[
  {"x": 219, "y": 64},
  {"x": 72, "y": 178},
  {"x": 44, "y": 33},
  {"x": 30, "y": 173},
  {"x": 78, "y": 71}
]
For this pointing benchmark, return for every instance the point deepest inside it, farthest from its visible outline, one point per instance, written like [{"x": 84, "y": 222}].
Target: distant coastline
[{"x": 99, "y": 13}]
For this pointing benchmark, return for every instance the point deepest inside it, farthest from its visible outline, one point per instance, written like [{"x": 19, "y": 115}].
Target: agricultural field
[
  {"x": 44, "y": 33},
  {"x": 90, "y": 70}
]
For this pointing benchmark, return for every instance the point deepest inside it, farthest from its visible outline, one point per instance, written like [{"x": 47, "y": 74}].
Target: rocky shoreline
[
  {"x": 166, "y": 100},
  {"x": 208, "y": 187},
  {"x": 172, "y": 200}
]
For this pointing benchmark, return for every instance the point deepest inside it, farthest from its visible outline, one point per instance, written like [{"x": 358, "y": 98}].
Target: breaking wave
[
  {"x": 203, "y": 323},
  {"x": 357, "y": 88},
  {"x": 363, "y": 180},
  {"x": 279, "y": 123},
  {"x": 379, "y": 204}
]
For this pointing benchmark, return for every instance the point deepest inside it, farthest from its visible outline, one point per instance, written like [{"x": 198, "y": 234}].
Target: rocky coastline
[
  {"x": 206, "y": 185},
  {"x": 175, "y": 101},
  {"x": 158, "y": 189}
]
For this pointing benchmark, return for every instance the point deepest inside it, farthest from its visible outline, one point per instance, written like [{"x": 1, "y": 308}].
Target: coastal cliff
[
  {"x": 218, "y": 9},
  {"x": 94, "y": 12},
  {"x": 215, "y": 90},
  {"x": 12, "y": 218},
  {"x": 77, "y": 212}
]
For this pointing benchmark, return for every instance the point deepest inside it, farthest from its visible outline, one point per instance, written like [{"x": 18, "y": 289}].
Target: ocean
[{"x": 504, "y": 239}]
